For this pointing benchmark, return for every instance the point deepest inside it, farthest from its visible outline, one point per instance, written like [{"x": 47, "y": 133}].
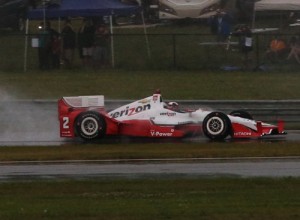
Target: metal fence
[{"x": 158, "y": 52}]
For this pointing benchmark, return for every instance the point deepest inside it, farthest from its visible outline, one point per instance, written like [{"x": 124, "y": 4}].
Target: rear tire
[
  {"x": 90, "y": 125},
  {"x": 216, "y": 126}
]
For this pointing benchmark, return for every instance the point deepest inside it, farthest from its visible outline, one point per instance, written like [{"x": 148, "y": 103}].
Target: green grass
[
  {"x": 166, "y": 198},
  {"x": 191, "y": 85},
  {"x": 150, "y": 151}
]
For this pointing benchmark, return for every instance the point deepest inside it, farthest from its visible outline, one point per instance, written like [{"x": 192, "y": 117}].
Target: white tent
[{"x": 275, "y": 5}]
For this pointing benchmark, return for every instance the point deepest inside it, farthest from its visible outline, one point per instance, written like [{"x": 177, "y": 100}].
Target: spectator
[
  {"x": 244, "y": 33},
  {"x": 101, "y": 48},
  {"x": 87, "y": 39},
  {"x": 56, "y": 49},
  {"x": 291, "y": 19},
  {"x": 277, "y": 49},
  {"x": 69, "y": 43},
  {"x": 46, "y": 36},
  {"x": 294, "y": 49},
  {"x": 80, "y": 40},
  {"x": 44, "y": 42},
  {"x": 221, "y": 25}
]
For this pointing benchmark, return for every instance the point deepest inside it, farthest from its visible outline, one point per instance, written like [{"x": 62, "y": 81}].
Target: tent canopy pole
[
  {"x": 26, "y": 45},
  {"x": 112, "y": 40},
  {"x": 146, "y": 35}
]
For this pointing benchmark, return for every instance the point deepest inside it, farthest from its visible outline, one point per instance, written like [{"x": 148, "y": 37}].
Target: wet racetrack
[{"x": 284, "y": 167}]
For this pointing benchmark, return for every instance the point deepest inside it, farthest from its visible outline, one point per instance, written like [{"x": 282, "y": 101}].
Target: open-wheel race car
[{"x": 86, "y": 117}]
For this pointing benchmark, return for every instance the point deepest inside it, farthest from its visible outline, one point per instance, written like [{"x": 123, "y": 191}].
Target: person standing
[
  {"x": 87, "y": 39},
  {"x": 221, "y": 25},
  {"x": 246, "y": 44},
  {"x": 80, "y": 40},
  {"x": 69, "y": 43},
  {"x": 56, "y": 51},
  {"x": 46, "y": 36},
  {"x": 44, "y": 45},
  {"x": 294, "y": 49},
  {"x": 101, "y": 47}
]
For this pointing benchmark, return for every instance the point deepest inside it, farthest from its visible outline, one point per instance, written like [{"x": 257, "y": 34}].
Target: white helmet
[{"x": 173, "y": 104}]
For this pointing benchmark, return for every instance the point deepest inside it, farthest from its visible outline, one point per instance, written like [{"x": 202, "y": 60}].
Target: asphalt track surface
[
  {"x": 281, "y": 167},
  {"x": 30, "y": 139},
  {"x": 37, "y": 124}
]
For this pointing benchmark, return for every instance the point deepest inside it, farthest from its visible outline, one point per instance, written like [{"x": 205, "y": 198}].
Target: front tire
[
  {"x": 216, "y": 126},
  {"x": 90, "y": 125}
]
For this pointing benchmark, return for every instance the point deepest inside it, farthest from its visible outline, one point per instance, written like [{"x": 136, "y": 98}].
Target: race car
[{"x": 86, "y": 117}]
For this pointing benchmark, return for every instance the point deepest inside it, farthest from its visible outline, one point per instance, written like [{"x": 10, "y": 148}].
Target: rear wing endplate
[{"x": 85, "y": 101}]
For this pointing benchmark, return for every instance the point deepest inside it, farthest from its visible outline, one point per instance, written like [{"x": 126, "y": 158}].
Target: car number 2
[{"x": 66, "y": 121}]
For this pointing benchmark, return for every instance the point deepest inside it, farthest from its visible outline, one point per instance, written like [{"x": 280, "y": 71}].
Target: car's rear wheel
[
  {"x": 241, "y": 114},
  {"x": 216, "y": 126},
  {"x": 90, "y": 125}
]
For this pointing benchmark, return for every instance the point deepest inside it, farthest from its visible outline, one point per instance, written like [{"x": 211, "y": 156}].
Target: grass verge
[
  {"x": 166, "y": 198},
  {"x": 178, "y": 85},
  {"x": 150, "y": 151}
]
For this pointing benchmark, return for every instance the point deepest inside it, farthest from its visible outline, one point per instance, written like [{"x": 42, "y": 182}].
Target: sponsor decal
[
  {"x": 242, "y": 133},
  {"x": 144, "y": 101},
  {"x": 168, "y": 113},
  {"x": 131, "y": 111},
  {"x": 161, "y": 134}
]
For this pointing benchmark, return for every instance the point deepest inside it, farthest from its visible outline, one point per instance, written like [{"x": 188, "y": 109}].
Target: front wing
[{"x": 262, "y": 129}]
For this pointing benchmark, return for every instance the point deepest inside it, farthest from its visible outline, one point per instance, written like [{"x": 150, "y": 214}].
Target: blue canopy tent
[
  {"x": 83, "y": 8},
  {"x": 80, "y": 8}
]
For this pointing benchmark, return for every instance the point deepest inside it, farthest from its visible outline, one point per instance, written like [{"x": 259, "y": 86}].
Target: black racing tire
[
  {"x": 90, "y": 125},
  {"x": 241, "y": 114},
  {"x": 216, "y": 126}
]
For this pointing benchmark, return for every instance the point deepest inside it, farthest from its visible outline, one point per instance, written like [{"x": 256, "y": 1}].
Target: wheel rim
[
  {"x": 215, "y": 125},
  {"x": 89, "y": 126}
]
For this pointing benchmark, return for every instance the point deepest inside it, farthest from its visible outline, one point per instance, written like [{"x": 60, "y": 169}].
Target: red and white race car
[{"x": 86, "y": 117}]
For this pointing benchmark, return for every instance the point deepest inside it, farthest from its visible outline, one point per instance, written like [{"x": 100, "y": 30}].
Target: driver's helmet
[{"x": 173, "y": 105}]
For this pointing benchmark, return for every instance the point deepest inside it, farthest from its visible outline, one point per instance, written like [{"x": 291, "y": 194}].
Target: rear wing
[{"x": 84, "y": 101}]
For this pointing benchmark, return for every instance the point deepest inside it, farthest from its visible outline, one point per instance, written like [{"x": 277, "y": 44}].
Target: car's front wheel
[
  {"x": 216, "y": 126},
  {"x": 90, "y": 125}
]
